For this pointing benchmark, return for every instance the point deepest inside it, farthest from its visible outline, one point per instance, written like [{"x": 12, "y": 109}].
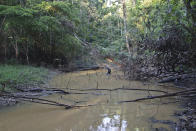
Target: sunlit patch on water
[{"x": 111, "y": 124}]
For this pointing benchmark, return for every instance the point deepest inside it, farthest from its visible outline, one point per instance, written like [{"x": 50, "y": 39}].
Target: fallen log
[
  {"x": 180, "y": 93},
  {"x": 178, "y": 77},
  {"x": 81, "y": 68},
  {"x": 46, "y": 90},
  {"x": 69, "y": 107},
  {"x": 124, "y": 88},
  {"x": 33, "y": 99},
  {"x": 36, "y": 89},
  {"x": 88, "y": 68},
  {"x": 42, "y": 101}
]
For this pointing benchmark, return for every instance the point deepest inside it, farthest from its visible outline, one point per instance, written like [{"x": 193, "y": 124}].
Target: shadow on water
[{"x": 106, "y": 114}]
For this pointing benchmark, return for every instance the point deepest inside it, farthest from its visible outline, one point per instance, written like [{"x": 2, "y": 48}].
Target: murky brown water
[{"x": 106, "y": 115}]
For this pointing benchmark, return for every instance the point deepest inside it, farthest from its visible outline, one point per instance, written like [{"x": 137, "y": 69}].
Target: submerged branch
[
  {"x": 178, "y": 77},
  {"x": 180, "y": 93},
  {"x": 46, "y": 90},
  {"x": 123, "y": 88},
  {"x": 38, "y": 100},
  {"x": 42, "y": 101}
]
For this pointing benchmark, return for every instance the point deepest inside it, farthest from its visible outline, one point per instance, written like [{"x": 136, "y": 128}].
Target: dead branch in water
[
  {"x": 82, "y": 68},
  {"x": 123, "y": 88},
  {"x": 180, "y": 93},
  {"x": 68, "y": 107},
  {"x": 41, "y": 101},
  {"x": 34, "y": 99},
  {"x": 45, "y": 90},
  {"x": 178, "y": 77}
]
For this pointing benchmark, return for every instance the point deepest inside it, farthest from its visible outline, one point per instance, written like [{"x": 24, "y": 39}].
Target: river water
[{"x": 106, "y": 114}]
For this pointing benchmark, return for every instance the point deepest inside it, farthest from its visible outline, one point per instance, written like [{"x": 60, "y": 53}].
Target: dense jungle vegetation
[{"x": 145, "y": 35}]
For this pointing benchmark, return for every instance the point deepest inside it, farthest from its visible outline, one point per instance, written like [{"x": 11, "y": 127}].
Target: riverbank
[
  {"x": 185, "y": 81},
  {"x": 187, "y": 118},
  {"x": 21, "y": 78},
  {"x": 19, "y": 83}
]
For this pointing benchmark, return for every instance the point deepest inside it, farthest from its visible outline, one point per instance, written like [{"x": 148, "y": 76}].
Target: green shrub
[{"x": 13, "y": 75}]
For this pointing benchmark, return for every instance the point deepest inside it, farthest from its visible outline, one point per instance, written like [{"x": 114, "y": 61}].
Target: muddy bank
[
  {"x": 36, "y": 90},
  {"x": 187, "y": 118},
  {"x": 182, "y": 80},
  {"x": 28, "y": 90}
]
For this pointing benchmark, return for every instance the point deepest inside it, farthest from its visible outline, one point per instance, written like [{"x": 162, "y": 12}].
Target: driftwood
[
  {"x": 123, "y": 88},
  {"x": 46, "y": 90},
  {"x": 42, "y": 101},
  {"x": 178, "y": 77},
  {"x": 41, "y": 90},
  {"x": 180, "y": 93},
  {"x": 37, "y": 100},
  {"x": 68, "y": 107},
  {"x": 23, "y": 97},
  {"x": 89, "y": 68},
  {"x": 81, "y": 68}
]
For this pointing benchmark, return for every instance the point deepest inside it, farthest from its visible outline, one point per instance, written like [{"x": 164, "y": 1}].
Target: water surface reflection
[
  {"x": 111, "y": 124},
  {"x": 117, "y": 117}
]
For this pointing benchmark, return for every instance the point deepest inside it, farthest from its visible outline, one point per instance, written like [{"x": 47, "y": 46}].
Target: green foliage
[
  {"x": 69, "y": 47},
  {"x": 40, "y": 28},
  {"x": 14, "y": 75},
  {"x": 44, "y": 30},
  {"x": 151, "y": 18},
  {"x": 11, "y": 11}
]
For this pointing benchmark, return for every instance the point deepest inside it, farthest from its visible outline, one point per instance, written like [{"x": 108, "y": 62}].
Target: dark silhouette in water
[{"x": 109, "y": 70}]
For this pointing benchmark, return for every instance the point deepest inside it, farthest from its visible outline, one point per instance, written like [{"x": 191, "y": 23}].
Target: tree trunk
[
  {"x": 5, "y": 52},
  {"x": 125, "y": 25},
  {"x": 27, "y": 52},
  {"x": 16, "y": 50},
  {"x": 190, "y": 9}
]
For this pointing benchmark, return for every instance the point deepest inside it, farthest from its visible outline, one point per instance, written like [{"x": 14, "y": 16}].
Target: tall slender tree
[{"x": 125, "y": 25}]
